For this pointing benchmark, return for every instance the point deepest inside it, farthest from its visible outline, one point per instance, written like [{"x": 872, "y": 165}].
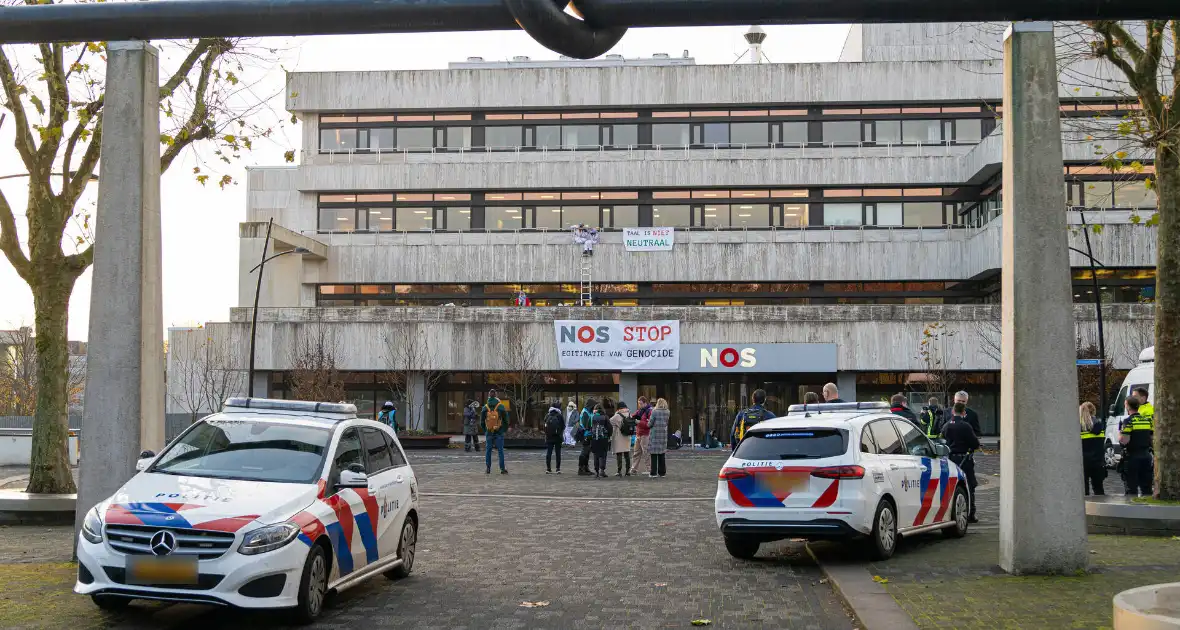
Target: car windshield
[
  {"x": 248, "y": 450},
  {"x": 793, "y": 444}
]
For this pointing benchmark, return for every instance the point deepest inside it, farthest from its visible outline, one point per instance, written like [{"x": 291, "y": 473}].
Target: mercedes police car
[
  {"x": 268, "y": 504},
  {"x": 838, "y": 471}
]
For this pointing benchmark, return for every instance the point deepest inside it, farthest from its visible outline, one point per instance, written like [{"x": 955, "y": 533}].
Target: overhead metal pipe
[{"x": 180, "y": 19}]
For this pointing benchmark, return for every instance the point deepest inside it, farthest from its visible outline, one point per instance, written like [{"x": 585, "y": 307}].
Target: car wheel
[
  {"x": 883, "y": 540},
  {"x": 1111, "y": 458},
  {"x": 313, "y": 587},
  {"x": 741, "y": 548},
  {"x": 110, "y": 604},
  {"x": 959, "y": 515},
  {"x": 406, "y": 549}
]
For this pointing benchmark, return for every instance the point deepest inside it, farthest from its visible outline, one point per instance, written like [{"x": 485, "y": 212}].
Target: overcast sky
[{"x": 200, "y": 224}]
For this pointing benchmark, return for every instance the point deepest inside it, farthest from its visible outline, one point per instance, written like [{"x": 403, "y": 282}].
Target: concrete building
[{"x": 839, "y": 221}]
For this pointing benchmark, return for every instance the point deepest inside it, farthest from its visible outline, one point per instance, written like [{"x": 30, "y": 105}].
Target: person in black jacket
[
  {"x": 1093, "y": 448},
  {"x": 898, "y": 407},
  {"x": 972, "y": 417},
  {"x": 554, "y": 433},
  {"x": 963, "y": 442}
]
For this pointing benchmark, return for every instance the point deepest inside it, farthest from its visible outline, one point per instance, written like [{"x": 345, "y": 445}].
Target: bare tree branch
[
  {"x": 25, "y": 145},
  {"x": 196, "y": 127},
  {"x": 9, "y": 243}
]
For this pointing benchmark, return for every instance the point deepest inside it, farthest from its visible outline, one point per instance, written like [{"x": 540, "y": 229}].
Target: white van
[{"x": 1142, "y": 375}]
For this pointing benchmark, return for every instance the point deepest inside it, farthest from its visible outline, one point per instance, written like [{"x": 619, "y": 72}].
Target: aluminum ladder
[{"x": 586, "y": 289}]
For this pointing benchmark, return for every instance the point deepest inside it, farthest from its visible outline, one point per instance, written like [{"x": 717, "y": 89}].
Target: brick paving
[{"x": 600, "y": 561}]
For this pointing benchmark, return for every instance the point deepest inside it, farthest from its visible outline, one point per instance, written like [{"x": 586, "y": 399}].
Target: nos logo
[{"x": 728, "y": 357}]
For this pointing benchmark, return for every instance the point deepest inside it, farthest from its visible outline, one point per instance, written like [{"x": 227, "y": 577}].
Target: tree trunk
[
  {"x": 49, "y": 463},
  {"x": 1167, "y": 324}
]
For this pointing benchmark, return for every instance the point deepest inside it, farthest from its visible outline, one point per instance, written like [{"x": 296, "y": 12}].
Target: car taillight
[
  {"x": 729, "y": 474},
  {"x": 839, "y": 472}
]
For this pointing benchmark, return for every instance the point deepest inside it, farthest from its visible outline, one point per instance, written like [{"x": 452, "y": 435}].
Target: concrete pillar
[
  {"x": 1042, "y": 519},
  {"x": 629, "y": 388},
  {"x": 846, "y": 383},
  {"x": 124, "y": 407},
  {"x": 418, "y": 402}
]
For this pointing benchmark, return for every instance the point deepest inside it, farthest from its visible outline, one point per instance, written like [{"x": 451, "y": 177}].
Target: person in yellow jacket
[
  {"x": 1145, "y": 408},
  {"x": 1136, "y": 437}
]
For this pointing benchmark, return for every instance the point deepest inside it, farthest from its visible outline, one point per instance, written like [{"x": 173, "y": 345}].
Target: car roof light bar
[{"x": 272, "y": 404}]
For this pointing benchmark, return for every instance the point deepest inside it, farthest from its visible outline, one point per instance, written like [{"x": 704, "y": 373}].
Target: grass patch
[{"x": 1154, "y": 501}]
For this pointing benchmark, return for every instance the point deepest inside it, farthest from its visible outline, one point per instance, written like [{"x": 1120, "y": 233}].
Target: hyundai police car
[
  {"x": 838, "y": 471},
  {"x": 268, "y": 504}
]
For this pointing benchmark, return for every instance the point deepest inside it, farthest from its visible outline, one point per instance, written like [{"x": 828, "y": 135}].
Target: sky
[{"x": 200, "y": 223}]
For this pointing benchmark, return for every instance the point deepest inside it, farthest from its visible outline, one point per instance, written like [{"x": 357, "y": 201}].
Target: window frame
[
  {"x": 369, "y": 465},
  {"x": 888, "y": 421}
]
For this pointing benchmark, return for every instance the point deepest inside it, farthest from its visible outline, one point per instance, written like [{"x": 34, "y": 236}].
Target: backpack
[
  {"x": 554, "y": 425},
  {"x": 749, "y": 418},
  {"x": 627, "y": 427},
  {"x": 600, "y": 430},
  {"x": 492, "y": 421}
]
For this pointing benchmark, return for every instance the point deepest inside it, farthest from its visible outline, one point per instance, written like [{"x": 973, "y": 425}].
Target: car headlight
[
  {"x": 92, "y": 527},
  {"x": 268, "y": 538}
]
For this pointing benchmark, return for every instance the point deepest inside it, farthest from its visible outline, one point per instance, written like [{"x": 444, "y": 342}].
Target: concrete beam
[
  {"x": 124, "y": 405},
  {"x": 1042, "y": 518},
  {"x": 283, "y": 239}
]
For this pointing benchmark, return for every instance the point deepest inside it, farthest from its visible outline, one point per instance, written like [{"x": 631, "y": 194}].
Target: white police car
[
  {"x": 833, "y": 471},
  {"x": 268, "y": 504}
]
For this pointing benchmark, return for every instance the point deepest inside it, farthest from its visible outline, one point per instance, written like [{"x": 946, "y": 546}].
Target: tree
[
  {"x": 18, "y": 372},
  {"x": 935, "y": 355},
  {"x": 54, "y": 95},
  {"x": 987, "y": 339},
  {"x": 314, "y": 367},
  {"x": 205, "y": 375},
  {"x": 1150, "y": 75},
  {"x": 407, "y": 351},
  {"x": 522, "y": 359}
]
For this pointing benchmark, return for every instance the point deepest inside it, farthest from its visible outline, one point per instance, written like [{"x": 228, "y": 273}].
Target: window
[
  {"x": 842, "y": 132},
  {"x": 866, "y": 441},
  {"x": 715, "y": 133},
  {"x": 793, "y": 133},
  {"x": 842, "y": 214},
  {"x": 579, "y": 136},
  {"x": 621, "y": 216},
  {"x": 669, "y": 135},
  {"x": 795, "y": 215},
  {"x": 916, "y": 444},
  {"x": 715, "y": 216},
  {"x": 348, "y": 452},
  {"x": 889, "y": 214},
  {"x": 793, "y": 444},
  {"x": 623, "y": 135},
  {"x": 380, "y": 219},
  {"x": 1099, "y": 194},
  {"x": 458, "y": 138},
  {"x": 549, "y": 137},
  {"x": 399, "y": 458},
  {"x": 415, "y": 138},
  {"x": 458, "y": 218},
  {"x": 1134, "y": 194},
  {"x": 751, "y": 134},
  {"x": 671, "y": 216},
  {"x": 381, "y": 140},
  {"x": 548, "y": 217},
  {"x": 503, "y": 219},
  {"x": 921, "y": 131},
  {"x": 750, "y": 215},
  {"x": 888, "y": 443},
  {"x": 968, "y": 130},
  {"x": 924, "y": 214},
  {"x": 415, "y": 219},
  {"x": 573, "y": 215},
  {"x": 502, "y": 138},
  {"x": 888, "y": 131},
  {"x": 337, "y": 219},
  {"x": 378, "y": 451},
  {"x": 337, "y": 139},
  {"x": 247, "y": 450}
]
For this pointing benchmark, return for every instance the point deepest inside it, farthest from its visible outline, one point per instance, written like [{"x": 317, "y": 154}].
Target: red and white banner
[{"x": 594, "y": 344}]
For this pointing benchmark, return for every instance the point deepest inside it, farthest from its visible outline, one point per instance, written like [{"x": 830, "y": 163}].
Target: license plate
[
  {"x": 786, "y": 482},
  {"x": 148, "y": 570}
]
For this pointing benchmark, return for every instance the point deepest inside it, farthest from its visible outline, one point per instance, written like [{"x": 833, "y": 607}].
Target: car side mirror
[
  {"x": 1112, "y": 411},
  {"x": 145, "y": 460},
  {"x": 942, "y": 450},
  {"x": 353, "y": 477}
]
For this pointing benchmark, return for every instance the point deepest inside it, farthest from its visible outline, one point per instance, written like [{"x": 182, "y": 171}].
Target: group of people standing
[
  {"x": 635, "y": 438},
  {"x": 1135, "y": 435}
]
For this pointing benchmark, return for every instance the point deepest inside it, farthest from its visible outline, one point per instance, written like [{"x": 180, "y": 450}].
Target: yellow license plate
[
  {"x": 784, "y": 482},
  {"x": 150, "y": 570}
]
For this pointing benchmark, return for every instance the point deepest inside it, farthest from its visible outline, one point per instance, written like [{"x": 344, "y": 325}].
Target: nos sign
[{"x": 758, "y": 357}]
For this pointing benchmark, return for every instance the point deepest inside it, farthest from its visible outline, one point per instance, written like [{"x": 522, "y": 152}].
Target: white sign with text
[
  {"x": 618, "y": 345},
  {"x": 649, "y": 239}
]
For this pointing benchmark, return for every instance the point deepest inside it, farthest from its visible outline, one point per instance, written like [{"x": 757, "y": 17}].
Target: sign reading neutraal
[
  {"x": 649, "y": 239},
  {"x": 617, "y": 345}
]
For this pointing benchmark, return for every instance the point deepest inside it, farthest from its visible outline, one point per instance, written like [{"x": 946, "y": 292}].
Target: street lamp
[
  {"x": 1089, "y": 254},
  {"x": 260, "y": 267}
]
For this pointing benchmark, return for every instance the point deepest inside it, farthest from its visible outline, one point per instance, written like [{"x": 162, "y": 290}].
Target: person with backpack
[
  {"x": 931, "y": 418},
  {"x": 600, "y": 436},
  {"x": 554, "y": 435},
  {"x": 623, "y": 426},
  {"x": 582, "y": 433},
  {"x": 749, "y": 417},
  {"x": 493, "y": 420},
  {"x": 639, "y": 442},
  {"x": 388, "y": 416}
]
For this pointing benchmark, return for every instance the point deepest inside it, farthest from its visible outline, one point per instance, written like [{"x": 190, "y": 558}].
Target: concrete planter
[
  {"x": 423, "y": 442},
  {"x": 1116, "y": 515},
  {"x": 21, "y": 508},
  {"x": 1155, "y": 607}
]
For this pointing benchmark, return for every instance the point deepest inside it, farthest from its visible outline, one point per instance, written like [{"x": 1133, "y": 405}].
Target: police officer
[
  {"x": 963, "y": 442},
  {"x": 749, "y": 417},
  {"x": 931, "y": 418},
  {"x": 1136, "y": 436},
  {"x": 1093, "y": 448},
  {"x": 1146, "y": 409}
]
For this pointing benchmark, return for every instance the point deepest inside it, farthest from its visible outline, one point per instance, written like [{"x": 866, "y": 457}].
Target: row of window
[{"x": 650, "y": 135}]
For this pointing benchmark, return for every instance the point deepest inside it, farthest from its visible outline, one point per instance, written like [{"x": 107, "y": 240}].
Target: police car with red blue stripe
[
  {"x": 838, "y": 471},
  {"x": 268, "y": 504}
]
